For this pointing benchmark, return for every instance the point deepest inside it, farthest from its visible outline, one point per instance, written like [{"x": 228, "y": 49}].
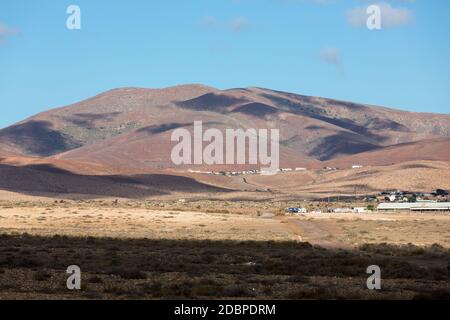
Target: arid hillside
[
  {"x": 23, "y": 177},
  {"x": 432, "y": 150},
  {"x": 118, "y": 144},
  {"x": 131, "y": 127}
]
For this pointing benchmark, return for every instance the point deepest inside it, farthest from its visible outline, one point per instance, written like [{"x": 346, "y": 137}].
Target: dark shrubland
[{"x": 155, "y": 269}]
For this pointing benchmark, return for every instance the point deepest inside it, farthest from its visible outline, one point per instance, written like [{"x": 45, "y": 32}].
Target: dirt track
[{"x": 312, "y": 232}]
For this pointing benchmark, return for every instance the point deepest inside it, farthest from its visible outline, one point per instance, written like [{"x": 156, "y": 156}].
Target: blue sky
[{"x": 312, "y": 47}]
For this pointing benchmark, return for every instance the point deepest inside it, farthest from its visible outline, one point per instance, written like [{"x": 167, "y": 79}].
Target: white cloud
[
  {"x": 331, "y": 55},
  {"x": 390, "y": 17},
  {"x": 209, "y": 21},
  {"x": 236, "y": 24},
  {"x": 6, "y": 32}
]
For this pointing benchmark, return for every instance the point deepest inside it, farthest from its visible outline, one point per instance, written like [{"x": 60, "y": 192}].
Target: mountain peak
[{"x": 112, "y": 124}]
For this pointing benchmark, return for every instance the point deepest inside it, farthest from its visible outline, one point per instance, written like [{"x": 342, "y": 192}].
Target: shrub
[
  {"x": 95, "y": 279},
  {"x": 41, "y": 275},
  {"x": 236, "y": 291},
  {"x": 130, "y": 274}
]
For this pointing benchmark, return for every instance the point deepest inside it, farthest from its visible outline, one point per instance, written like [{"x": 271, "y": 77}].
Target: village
[
  {"x": 390, "y": 201},
  {"x": 385, "y": 201},
  {"x": 258, "y": 171},
  {"x": 244, "y": 172}
]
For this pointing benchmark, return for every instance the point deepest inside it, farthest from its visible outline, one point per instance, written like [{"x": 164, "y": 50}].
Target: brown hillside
[{"x": 435, "y": 149}]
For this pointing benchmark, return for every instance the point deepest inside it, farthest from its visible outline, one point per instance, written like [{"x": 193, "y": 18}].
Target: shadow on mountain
[
  {"x": 87, "y": 120},
  {"x": 348, "y": 105},
  {"x": 309, "y": 110},
  {"x": 315, "y": 128},
  {"x": 38, "y": 138},
  {"x": 417, "y": 166},
  {"x": 199, "y": 269},
  {"x": 211, "y": 102},
  {"x": 386, "y": 124},
  {"x": 308, "y": 99},
  {"x": 359, "y": 188},
  {"x": 161, "y": 128},
  {"x": 155, "y": 129},
  {"x": 343, "y": 143},
  {"x": 259, "y": 110},
  {"x": 48, "y": 180}
]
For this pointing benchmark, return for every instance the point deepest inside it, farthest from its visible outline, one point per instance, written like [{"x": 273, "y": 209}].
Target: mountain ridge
[{"x": 123, "y": 122}]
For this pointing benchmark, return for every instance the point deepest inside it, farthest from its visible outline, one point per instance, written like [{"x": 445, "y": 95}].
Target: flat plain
[{"x": 217, "y": 249}]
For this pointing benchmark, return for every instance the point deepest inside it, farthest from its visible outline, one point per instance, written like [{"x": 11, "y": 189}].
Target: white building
[
  {"x": 392, "y": 197},
  {"x": 429, "y": 206},
  {"x": 342, "y": 210},
  {"x": 415, "y": 206}
]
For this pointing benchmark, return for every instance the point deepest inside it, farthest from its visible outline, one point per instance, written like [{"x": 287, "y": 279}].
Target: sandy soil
[
  {"x": 140, "y": 223},
  {"x": 127, "y": 221},
  {"x": 131, "y": 250},
  {"x": 352, "y": 230}
]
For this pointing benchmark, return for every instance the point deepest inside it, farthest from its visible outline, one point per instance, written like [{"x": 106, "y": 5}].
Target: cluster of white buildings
[
  {"x": 244, "y": 172},
  {"x": 355, "y": 166},
  {"x": 249, "y": 172},
  {"x": 226, "y": 173},
  {"x": 351, "y": 210},
  {"x": 290, "y": 169},
  {"x": 301, "y": 211}
]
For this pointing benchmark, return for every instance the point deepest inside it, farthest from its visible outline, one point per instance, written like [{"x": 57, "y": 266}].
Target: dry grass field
[{"x": 217, "y": 249}]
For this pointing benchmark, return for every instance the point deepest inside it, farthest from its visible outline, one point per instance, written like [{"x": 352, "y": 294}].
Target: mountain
[
  {"x": 432, "y": 150},
  {"x": 73, "y": 180},
  {"x": 130, "y": 128},
  {"x": 3, "y": 153}
]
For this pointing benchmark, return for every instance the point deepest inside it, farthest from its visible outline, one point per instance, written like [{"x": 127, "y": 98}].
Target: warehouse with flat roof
[{"x": 415, "y": 206}]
